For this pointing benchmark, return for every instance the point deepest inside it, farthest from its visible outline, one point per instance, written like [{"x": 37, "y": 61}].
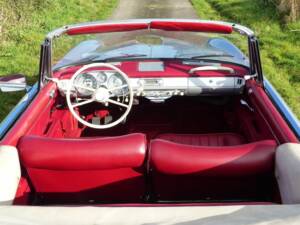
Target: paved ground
[{"x": 128, "y": 9}]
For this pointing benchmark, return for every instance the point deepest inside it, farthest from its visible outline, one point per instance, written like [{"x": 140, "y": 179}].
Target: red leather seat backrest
[
  {"x": 83, "y": 154},
  {"x": 92, "y": 169},
  {"x": 189, "y": 172}
]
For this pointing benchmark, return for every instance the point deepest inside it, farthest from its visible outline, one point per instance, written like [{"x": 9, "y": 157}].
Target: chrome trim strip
[
  {"x": 283, "y": 108},
  {"x": 56, "y": 33},
  {"x": 15, "y": 113},
  {"x": 243, "y": 30}
]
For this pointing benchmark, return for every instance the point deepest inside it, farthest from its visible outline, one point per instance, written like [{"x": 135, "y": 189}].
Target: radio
[{"x": 151, "y": 82}]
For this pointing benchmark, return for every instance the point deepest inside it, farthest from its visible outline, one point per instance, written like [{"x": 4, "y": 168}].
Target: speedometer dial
[
  {"x": 102, "y": 77},
  {"x": 85, "y": 80},
  {"x": 114, "y": 82}
]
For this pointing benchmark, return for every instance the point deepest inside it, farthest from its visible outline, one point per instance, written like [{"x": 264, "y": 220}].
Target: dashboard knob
[
  {"x": 160, "y": 82},
  {"x": 141, "y": 83}
]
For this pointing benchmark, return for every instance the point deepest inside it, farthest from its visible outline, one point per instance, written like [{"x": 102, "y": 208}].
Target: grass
[
  {"x": 23, "y": 26},
  {"x": 280, "y": 43}
]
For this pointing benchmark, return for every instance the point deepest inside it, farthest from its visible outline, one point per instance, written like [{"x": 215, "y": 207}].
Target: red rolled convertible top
[
  {"x": 196, "y": 26},
  {"x": 106, "y": 28}
]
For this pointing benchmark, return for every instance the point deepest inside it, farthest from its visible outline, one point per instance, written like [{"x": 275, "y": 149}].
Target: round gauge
[
  {"x": 85, "y": 80},
  {"x": 113, "y": 82},
  {"x": 102, "y": 77}
]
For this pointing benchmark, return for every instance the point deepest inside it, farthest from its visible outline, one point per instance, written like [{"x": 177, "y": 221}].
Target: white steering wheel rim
[{"x": 98, "y": 126}]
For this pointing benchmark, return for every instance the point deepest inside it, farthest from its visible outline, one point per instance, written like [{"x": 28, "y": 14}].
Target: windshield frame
[{"x": 184, "y": 25}]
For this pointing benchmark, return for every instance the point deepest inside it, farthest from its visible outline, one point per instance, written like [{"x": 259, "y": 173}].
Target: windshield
[{"x": 148, "y": 44}]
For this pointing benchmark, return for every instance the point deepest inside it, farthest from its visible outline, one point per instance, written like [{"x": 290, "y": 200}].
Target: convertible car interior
[
  {"x": 143, "y": 131},
  {"x": 216, "y": 148}
]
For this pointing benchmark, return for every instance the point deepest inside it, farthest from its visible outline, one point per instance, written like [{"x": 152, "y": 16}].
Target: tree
[{"x": 290, "y": 9}]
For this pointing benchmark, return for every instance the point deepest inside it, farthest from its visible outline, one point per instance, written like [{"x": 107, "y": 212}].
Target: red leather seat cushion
[
  {"x": 191, "y": 172},
  {"x": 217, "y": 139},
  {"x": 78, "y": 170}
]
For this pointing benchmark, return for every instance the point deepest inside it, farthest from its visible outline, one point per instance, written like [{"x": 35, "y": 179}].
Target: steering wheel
[{"x": 102, "y": 95}]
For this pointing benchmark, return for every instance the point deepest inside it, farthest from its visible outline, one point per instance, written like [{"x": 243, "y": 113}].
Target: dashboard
[{"x": 158, "y": 85}]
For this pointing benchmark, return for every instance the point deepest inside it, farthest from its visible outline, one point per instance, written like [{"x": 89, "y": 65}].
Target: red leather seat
[
  {"x": 186, "y": 172},
  {"x": 217, "y": 139},
  {"x": 83, "y": 170}
]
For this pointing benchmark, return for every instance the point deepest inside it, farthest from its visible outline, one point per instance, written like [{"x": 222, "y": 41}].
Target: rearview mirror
[{"x": 13, "y": 82}]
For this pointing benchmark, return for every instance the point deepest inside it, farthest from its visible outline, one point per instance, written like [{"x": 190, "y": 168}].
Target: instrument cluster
[{"x": 94, "y": 80}]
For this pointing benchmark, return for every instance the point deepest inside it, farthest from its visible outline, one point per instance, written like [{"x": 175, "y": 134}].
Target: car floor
[{"x": 180, "y": 116}]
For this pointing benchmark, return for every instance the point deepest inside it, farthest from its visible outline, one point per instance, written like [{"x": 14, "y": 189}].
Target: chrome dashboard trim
[{"x": 165, "y": 87}]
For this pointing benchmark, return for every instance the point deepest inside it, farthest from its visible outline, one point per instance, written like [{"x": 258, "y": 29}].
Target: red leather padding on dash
[
  {"x": 172, "y": 68},
  {"x": 217, "y": 139},
  {"x": 106, "y": 28},
  {"x": 191, "y": 26},
  {"x": 242, "y": 160},
  {"x": 84, "y": 170}
]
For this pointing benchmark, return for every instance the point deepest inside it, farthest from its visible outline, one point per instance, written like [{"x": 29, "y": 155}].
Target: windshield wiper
[
  {"x": 95, "y": 59},
  {"x": 193, "y": 56},
  {"x": 124, "y": 56},
  {"x": 77, "y": 63},
  {"x": 211, "y": 55}
]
